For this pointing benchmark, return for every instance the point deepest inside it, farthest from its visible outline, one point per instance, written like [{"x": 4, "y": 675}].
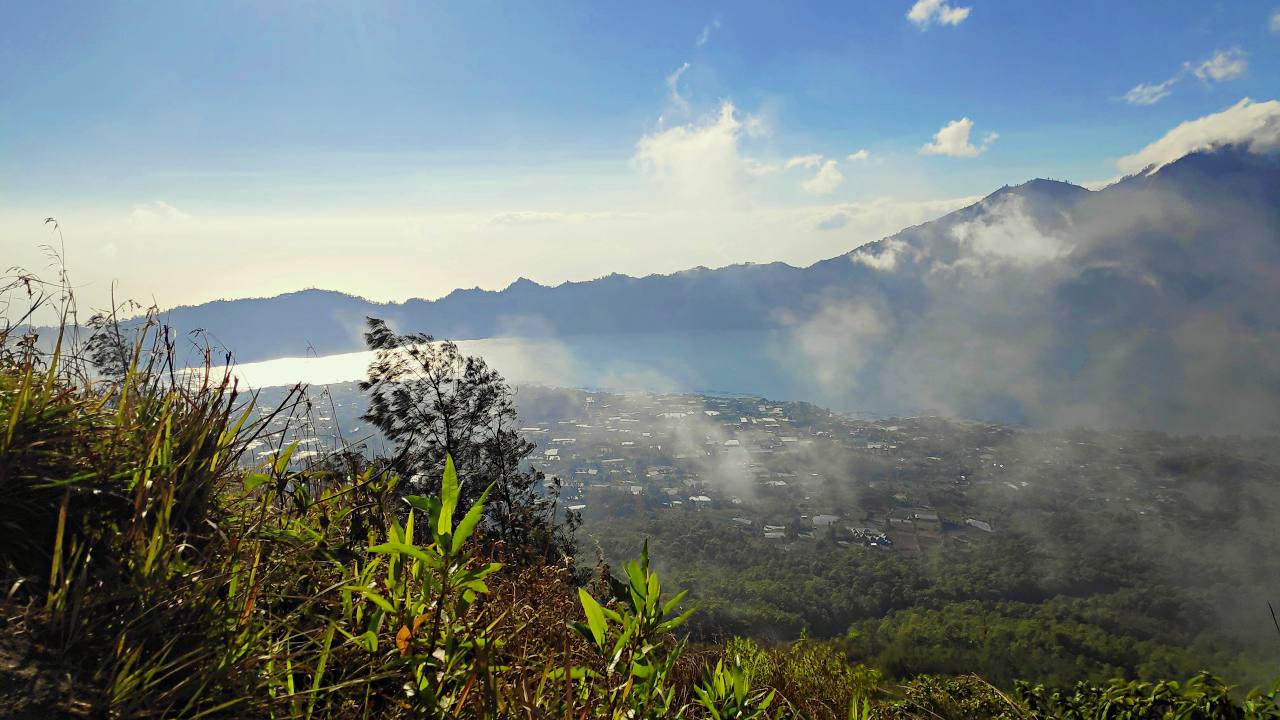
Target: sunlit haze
[{"x": 395, "y": 150}]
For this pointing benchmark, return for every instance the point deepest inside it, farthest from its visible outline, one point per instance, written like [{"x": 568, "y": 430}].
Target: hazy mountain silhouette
[{"x": 1152, "y": 301}]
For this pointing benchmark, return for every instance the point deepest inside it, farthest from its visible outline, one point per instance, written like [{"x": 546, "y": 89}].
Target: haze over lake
[{"x": 730, "y": 362}]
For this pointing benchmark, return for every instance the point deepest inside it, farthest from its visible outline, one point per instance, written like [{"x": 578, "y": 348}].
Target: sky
[{"x": 194, "y": 151}]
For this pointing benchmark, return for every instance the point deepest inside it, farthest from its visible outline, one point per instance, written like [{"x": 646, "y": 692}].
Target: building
[{"x": 979, "y": 524}]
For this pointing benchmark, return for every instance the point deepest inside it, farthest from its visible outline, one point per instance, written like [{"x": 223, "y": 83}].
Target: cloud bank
[{"x": 1255, "y": 125}]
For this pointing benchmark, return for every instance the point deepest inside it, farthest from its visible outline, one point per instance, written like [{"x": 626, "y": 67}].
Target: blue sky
[{"x": 477, "y": 142}]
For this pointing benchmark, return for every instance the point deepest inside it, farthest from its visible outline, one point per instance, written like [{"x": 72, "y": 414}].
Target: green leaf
[
  {"x": 469, "y": 522},
  {"x": 583, "y": 630},
  {"x": 595, "y": 617},
  {"x": 370, "y": 640},
  {"x": 616, "y": 654},
  {"x": 399, "y": 548},
  {"x": 374, "y": 597},
  {"x": 317, "y": 678},
  {"x": 254, "y": 481},
  {"x": 674, "y": 602},
  {"x": 449, "y": 491},
  {"x": 638, "y": 584},
  {"x": 675, "y": 622},
  {"x": 282, "y": 461},
  {"x": 419, "y": 502},
  {"x": 428, "y": 505},
  {"x": 576, "y": 673},
  {"x": 642, "y": 670}
]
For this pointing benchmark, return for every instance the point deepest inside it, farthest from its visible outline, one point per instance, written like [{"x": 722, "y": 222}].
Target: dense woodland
[{"x": 989, "y": 608}]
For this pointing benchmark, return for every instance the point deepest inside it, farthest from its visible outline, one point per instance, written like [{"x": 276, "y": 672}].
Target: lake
[{"x": 719, "y": 363}]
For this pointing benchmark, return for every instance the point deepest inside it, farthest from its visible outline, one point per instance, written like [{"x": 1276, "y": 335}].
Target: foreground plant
[
  {"x": 425, "y": 592},
  {"x": 726, "y": 694},
  {"x": 1202, "y": 696},
  {"x": 634, "y": 646}
]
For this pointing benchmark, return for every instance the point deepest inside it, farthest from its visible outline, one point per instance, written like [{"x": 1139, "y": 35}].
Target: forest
[{"x": 996, "y": 608}]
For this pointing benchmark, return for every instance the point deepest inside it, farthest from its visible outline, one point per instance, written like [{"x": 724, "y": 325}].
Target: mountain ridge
[
  {"x": 524, "y": 284},
  {"x": 1146, "y": 303}
]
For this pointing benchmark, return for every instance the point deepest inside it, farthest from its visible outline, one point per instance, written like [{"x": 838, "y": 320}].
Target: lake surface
[{"x": 720, "y": 363}]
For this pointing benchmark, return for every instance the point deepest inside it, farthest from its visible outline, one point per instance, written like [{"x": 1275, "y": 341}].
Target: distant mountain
[
  {"x": 1152, "y": 302},
  {"x": 737, "y": 297}
]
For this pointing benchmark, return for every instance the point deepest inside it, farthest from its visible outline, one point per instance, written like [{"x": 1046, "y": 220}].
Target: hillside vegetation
[{"x": 166, "y": 551}]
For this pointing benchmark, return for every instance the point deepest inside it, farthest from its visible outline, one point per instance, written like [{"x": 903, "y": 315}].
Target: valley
[{"x": 785, "y": 519}]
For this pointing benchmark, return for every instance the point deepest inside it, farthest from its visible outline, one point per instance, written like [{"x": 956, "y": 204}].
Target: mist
[{"x": 1142, "y": 306}]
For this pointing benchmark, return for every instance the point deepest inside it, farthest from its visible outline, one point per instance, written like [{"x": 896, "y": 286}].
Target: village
[{"x": 791, "y": 472}]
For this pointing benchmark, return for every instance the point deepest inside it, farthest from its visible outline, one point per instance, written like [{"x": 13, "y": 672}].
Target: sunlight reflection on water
[{"x": 715, "y": 363}]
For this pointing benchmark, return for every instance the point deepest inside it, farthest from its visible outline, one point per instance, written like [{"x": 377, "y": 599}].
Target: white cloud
[
  {"x": 1222, "y": 66},
  {"x": 1100, "y": 184},
  {"x": 1150, "y": 93},
  {"x": 953, "y": 140},
  {"x": 540, "y": 217},
  {"x": 870, "y": 220},
  {"x": 1275, "y": 22},
  {"x": 756, "y": 168},
  {"x": 756, "y": 126},
  {"x": 1253, "y": 124},
  {"x": 1007, "y": 233},
  {"x": 705, "y": 35},
  {"x": 926, "y": 12},
  {"x": 528, "y": 217},
  {"x": 156, "y": 212},
  {"x": 835, "y": 342},
  {"x": 882, "y": 256},
  {"x": 825, "y": 181},
  {"x": 859, "y": 156},
  {"x": 698, "y": 162},
  {"x": 827, "y": 178},
  {"x": 811, "y": 160},
  {"x": 673, "y": 84}
]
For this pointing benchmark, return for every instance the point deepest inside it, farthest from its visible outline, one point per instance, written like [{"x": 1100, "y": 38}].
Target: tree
[
  {"x": 433, "y": 401},
  {"x": 108, "y": 348}
]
